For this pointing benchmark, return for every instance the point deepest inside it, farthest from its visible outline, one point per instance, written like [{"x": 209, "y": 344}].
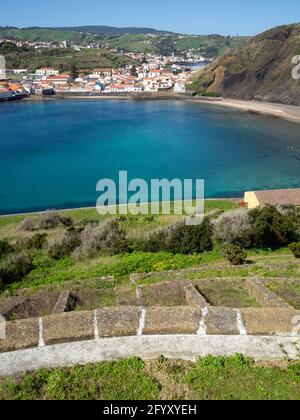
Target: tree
[
  {"x": 133, "y": 71},
  {"x": 74, "y": 71}
]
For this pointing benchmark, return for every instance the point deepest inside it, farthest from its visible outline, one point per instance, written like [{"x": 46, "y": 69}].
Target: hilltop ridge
[{"x": 260, "y": 70}]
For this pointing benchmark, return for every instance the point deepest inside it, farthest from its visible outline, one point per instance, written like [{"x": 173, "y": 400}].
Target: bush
[
  {"x": 49, "y": 221},
  {"x": 5, "y": 248},
  {"x": 35, "y": 242},
  {"x": 295, "y": 248},
  {"x": 60, "y": 249},
  {"x": 271, "y": 229},
  {"x": 15, "y": 268},
  {"x": 67, "y": 221},
  {"x": 233, "y": 227},
  {"x": 108, "y": 237},
  {"x": 181, "y": 238},
  {"x": 29, "y": 224},
  {"x": 235, "y": 254}
]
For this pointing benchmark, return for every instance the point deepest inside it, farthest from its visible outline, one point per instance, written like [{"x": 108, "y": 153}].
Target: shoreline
[
  {"x": 230, "y": 200},
  {"x": 289, "y": 113}
]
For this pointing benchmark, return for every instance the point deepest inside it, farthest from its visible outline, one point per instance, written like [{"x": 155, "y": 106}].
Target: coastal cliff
[{"x": 261, "y": 70}]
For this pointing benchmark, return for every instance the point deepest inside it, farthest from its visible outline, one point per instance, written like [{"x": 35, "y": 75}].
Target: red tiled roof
[
  {"x": 61, "y": 76},
  {"x": 288, "y": 196}
]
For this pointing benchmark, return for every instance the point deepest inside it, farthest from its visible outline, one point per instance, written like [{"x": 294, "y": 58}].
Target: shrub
[
  {"x": 233, "y": 227},
  {"x": 235, "y": 254},
  {"x": 191, "y": 239},
  {"x": 60, "y": 249},
  {"x": 270, "y": 228},
  {"x": 5, "y": 248},
  {"x": 35, "y": 242},
  {"x": 29, "y": 224},
  {"x": 49, "y": 220},
  {"x": 180, "y": 238},
  {"x": 67, "y": 221},
  {"x": 108, "y": 237},
  {"x": 295, "y": 248},
  {"x": 15, "y": 268}
]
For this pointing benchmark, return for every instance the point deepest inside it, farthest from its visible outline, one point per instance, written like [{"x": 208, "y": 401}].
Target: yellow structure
[{"x": 251, "y": 200}]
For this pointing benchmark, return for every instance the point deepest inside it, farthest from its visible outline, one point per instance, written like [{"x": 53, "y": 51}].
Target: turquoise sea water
[{"x": 53, "y": 153}]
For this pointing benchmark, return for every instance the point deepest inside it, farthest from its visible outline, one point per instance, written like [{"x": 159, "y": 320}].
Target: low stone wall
[
  {"x": 264, "y": 296},
  {"x": 194, "y": 297},
  {"x": 138, "y": 277},
  {"x": 140, "y": 321}
]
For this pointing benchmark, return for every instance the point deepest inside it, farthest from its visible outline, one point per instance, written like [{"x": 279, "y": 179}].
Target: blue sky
[{"x": 227, "y": 17}]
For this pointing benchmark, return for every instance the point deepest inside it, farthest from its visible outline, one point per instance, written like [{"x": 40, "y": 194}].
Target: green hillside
[
  {"x": 111, "y": 30},
  {"x": 62, "y": 59},
  {"x": 261, "y": 70},
  {"x": 211, "y": 45}
]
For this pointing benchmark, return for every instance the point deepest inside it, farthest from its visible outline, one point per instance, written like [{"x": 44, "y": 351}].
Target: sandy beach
[{"x": 288, "y": 112}]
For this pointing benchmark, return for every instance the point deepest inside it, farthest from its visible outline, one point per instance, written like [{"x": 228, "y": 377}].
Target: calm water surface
[{"x": 53, "y": 153}]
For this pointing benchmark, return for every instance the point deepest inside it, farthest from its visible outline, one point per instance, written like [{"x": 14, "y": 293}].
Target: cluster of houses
[
  {"x": 147, "y": 77},
  {"x": 154, "y": 73}
]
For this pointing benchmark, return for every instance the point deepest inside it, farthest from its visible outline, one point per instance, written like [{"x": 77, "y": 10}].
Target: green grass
[
  {"x": 87, "y": 214},
  {"x": 49, "y": 272},
  {"x": 237, "y": 378},
  {"x": 124, "y": 380},
  {"x": 210, "y": 378}
]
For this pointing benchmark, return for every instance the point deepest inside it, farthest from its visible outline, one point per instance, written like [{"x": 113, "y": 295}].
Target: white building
[
  {"x": 47, "y": 71},
  {"x": 180, "y": 88},
  {"x": 102, "y": 72}
]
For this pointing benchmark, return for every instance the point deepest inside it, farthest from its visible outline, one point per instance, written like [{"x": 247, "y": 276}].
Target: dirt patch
[
  {"x": 163, "y": 294},
  {"x": 224, "y": 292},
  {"x": 169, "y": 374},
  {"x": 89, "y": 299}
]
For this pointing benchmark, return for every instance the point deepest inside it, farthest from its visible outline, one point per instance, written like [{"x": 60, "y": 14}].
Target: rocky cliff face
[{"x": 261, "y": 70}]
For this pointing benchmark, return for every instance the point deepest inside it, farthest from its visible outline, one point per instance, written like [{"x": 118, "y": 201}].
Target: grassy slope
[
  {"x": 233, "y": 378},
  {"x": 213, "y": 45},
  {"x": 49, "y": 272},
  {"x": 46, "y": 35},
  {"x": 62, "y": 59}
]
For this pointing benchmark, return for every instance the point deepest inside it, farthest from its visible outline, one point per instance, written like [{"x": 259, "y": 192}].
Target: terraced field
[{"x": 145, "y": 304}]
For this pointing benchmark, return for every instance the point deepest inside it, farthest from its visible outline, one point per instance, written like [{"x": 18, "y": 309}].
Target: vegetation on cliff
[{"x": 260, "y": 70}]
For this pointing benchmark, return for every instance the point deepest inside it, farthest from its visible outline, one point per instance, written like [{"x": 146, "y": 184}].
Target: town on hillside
[{"x": 152, "y": 73}]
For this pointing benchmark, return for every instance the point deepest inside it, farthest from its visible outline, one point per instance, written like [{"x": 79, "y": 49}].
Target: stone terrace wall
[{"x": 135, "y": 321}]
